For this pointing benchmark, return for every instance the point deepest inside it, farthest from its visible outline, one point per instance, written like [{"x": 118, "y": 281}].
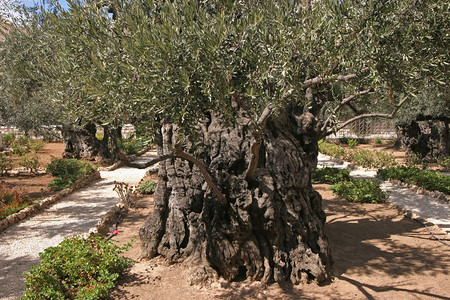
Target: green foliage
[
  {"x": 30, "y": 162},
  {"x": 364, "y": 191},
  {"x": 352, "y": 143},
  {"x": 147, "y": 187},
  {"x": 11, "y": 200},
  {"x": 427, "y": 179},
  {"x": 131, "y": 146},
  {"x": 76, "y": 269},
  {"x": 8, "y": 138},
  {"x": 365, "y": 158},
  {"x": 331, "y": 175},
  {"x": 444, "y": 162},
  {"x": 67, "y": 171},
  {"x": 5, "y": 164},
  {"x": 378, "y": 141}
]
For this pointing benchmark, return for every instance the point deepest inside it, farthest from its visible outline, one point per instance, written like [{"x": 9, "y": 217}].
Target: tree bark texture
[
  {"x": 272, "y": 228},
  {"x": 429, "y": 140},
  {"x": 81, "y": 142}
]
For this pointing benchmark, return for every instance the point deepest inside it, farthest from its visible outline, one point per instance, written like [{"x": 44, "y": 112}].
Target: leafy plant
[
  {"x": 11, "y": 200},
  {"x": 331, "y": 175},
  {"x": 427, "y": 179},
  {"x": 77, "y": 268},
  {"x": 30, "y": 162},
  {"x": 147, "y": 187},
  {"x": 364, "y": 191},
  {"x": 378, "y": 141},
  {"x": 352, "y": 143},
  {"x": 67, "y": 171},
  {"x": 5, "y": 164},
  {"x": 444, "y": 162},
  {"x": 36, "y": 145},
  {"x": 8, "y": 138},
  {"x": 131, "y": 146}
]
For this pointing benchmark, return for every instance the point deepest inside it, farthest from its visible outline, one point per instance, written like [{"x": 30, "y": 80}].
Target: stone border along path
[
  {"x": 75, "y": 214},
  {"x": 424, "y": 206}
]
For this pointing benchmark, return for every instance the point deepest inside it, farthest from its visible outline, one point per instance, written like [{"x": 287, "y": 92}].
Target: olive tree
[{"x": 237, "y": 95}]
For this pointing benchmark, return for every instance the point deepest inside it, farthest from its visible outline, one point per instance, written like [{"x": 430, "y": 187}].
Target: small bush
[
  {"x": 331, "y": 175},
  {"x": 131, "y": 146},
  {"x": 364, "y": 191},
  {"x": 444, "y": 162},
  {"x": 36, "y": 145},
  {"x": 67, "y": 171},
  {"x": 378, "y": 141},
  {"x": 76, "y": 269},
  {"x": 429, "y": 180},
  {"x": 147, "y": 187},
  {"x": 5, "y": 164},
  {"x": 11, "y": 200},
  {"x": 8, "y": 138},
  {"x": 30, "y": 162},
  {"x": 352, "y": 143}
]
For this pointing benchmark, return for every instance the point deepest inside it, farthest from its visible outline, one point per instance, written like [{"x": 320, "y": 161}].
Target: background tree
[{"x": 240, "y": 92}]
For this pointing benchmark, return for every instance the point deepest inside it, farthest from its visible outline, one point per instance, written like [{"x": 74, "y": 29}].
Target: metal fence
[{"x": 368, "y": 129}]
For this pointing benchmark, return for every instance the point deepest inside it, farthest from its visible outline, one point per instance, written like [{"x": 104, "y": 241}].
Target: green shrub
[
  {"x": 131, "y": 146},
  {"x": 147, "y": 187},
  {"x": 5, "y": 164},
  {"x": 352, "y": 143},
  {"x": 429, "y": 180},
  {"x": 11, "y": 200},
  {"x": 365, "y": 158},
  {"x": 76, "y": 269},
  {"x": 331, "y": 175},
  {"x": 378, "y": 141},
  {"x": 8, "y": 138},
  {"x": 37, "y": 145},
  {"x": 30, "y": 162},
  {"x": 364, "y": 191},
  {"x": 67, "y": 171},
  {"x": 444, "y": 162}
]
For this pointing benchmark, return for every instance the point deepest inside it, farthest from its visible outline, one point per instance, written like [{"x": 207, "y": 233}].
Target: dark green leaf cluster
[
  {"x": 147, "y": 187},
  {"x": 77, "y": 268},
  {"x": 331, "y": 175},
  {"x": 427, "y": 179},
  {"x": 67, "y": 171},
  {"x": 363, "y": 190},
  {"x": 131, "y": 146}
]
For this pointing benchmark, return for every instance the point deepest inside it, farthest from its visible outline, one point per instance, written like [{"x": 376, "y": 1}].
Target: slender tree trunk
[{"x": 272, "y": 226}]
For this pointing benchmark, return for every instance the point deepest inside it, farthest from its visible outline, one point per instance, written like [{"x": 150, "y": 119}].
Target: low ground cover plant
[
  {"x": 427, "y": 179},
  {"x": 361, "y": 190},
  {"x": 77, "y": 268},
  {"x": 331, "y": 175},
  {"x": 365, "y": 158},
  {"x": 147, "y": 187},
  {"x": 30, "y": 162},
  {"x": 8, "y": 138},
  {"x": 132, "y": 146},
  {"x": 67, "y": 171},
  {"x": 11, "y": 200}
]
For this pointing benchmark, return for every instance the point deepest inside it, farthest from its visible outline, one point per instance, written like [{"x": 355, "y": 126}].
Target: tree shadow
[{"x": 10, "y": 270}]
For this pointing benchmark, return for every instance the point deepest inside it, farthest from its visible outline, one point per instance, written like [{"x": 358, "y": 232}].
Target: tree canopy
[{"x": 175, "y": 60}]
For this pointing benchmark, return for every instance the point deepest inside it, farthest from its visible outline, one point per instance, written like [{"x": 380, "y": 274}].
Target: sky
[{"x": 32, "y": 2}]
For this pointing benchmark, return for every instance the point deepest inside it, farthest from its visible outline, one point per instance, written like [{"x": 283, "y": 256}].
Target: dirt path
[{"x": 75, "y": 214}]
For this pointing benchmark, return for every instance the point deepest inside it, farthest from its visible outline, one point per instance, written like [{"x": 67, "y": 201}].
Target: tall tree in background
[{"x": 238, "y": 94}]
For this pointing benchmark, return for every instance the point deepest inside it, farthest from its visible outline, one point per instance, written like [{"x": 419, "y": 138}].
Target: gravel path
[
  {"x": 21, "y": 243},
  {"x": 424, "y": 206}
]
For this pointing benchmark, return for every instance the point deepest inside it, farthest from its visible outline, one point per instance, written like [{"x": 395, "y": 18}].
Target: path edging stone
[{"x": 44, "y": 203}]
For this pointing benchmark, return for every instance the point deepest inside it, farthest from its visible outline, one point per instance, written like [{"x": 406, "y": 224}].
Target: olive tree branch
[
  {"x": 319, "y": 79},
  {"x": 343, "y": 102},
  {"x": 374, "y": 115}
]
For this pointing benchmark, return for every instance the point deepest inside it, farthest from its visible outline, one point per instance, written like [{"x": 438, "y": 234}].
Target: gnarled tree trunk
[
  {"x": 81, "y": 142},
  {"x": 271, "y": 227}
]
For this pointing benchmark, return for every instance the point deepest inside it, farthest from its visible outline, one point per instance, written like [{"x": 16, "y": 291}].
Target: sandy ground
[{"x": 378, "y": 254}]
